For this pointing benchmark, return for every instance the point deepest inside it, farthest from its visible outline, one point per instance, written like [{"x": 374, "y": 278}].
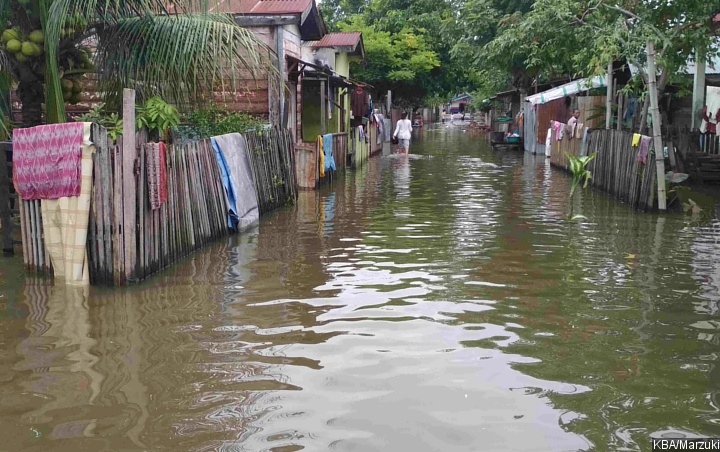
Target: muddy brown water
[{"x": 436, "y": 303}]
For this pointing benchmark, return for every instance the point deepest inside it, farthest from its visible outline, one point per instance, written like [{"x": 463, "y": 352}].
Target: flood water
[{"x": 436, "y": 303}]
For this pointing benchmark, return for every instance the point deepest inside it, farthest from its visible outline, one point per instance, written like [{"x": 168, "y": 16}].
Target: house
[
  {"x": 504, "y": 107},
  {"x": 459, "y": 104},
  {"x": 705, "y": 77},
  {"x": 334, "y": 51},
  {"x": 332, "y": 55},
  {"x": 283, "y": 25},
  {"x": 556, "y": 104}
]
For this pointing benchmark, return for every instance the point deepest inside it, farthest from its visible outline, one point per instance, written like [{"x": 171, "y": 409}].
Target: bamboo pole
[
  {"x": 657, "y": 130},
  {"x": 608, "y": 106}
]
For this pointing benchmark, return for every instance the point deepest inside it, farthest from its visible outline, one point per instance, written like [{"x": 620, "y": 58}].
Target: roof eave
[{"x": 312, "y": 25}]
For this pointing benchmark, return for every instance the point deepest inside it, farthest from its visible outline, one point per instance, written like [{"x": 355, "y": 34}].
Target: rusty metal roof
[
  {"x": 339, "y": 40},
  {"x": 263, "y": 6}
]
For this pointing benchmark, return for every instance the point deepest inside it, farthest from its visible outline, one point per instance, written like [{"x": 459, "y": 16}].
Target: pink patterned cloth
[
  {"x": 46, "y": 161},
  {"x": 644, "y": 149}
]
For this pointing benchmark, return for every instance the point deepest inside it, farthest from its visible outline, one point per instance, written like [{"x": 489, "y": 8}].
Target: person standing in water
[{"x": 403, "y": 132}]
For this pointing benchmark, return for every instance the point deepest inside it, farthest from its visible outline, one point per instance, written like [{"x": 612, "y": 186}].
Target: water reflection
[{"x": 439, "y": 301}]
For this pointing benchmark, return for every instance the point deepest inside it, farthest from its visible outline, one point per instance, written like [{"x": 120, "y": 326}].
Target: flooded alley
[{"x": 440, "y": 302}]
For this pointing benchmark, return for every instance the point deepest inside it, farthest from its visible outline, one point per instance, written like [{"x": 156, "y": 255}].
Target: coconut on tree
[{"x": 175, "y": 50}]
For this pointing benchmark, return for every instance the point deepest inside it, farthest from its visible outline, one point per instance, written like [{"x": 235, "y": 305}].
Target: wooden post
[
  {"x": 698, "y": 100},
  {"x": 608, "y": 102},
  {"x": 657, "y": 127},
  {"x": 621, "y": 101},
  {"x": 323, "y": 107},
  {"x": 129, "y": 184}
]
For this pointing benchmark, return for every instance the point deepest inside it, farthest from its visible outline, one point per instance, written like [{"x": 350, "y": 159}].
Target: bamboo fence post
[
  {"x": 24, "y": 233},
  {"x": 621, "y": 105},
  {"x": 118, "y": 240},
  {"x": 142, "y": 205},
  {"x": 609, "y": 99},
  {"x": 107, "y": 211},
  {"x": 657, "y": 130}
]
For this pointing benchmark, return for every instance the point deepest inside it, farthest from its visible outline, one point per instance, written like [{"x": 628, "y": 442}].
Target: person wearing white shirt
[
  {"x": 572, "y": 122},
  {"x": 403, "y": 132}
]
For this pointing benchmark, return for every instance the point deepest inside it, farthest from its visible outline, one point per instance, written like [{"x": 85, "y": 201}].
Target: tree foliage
[
  {"x": 408, "y": 46},
  {"x": 520, "y": 41}
]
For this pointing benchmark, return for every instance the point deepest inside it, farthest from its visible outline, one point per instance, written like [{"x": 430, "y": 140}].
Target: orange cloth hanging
[{"x": 322, "y": 155}]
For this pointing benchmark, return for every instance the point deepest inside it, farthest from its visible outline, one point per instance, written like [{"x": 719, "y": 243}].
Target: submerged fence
[
  {"x": 8, "y": 200},
  {"x": 616, "y": 169},
  {"x": 123, "y": 249}
]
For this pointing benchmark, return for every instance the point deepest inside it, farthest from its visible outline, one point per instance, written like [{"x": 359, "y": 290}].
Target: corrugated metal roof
[
  {"x": 711, "y": 68},
  {"x": 263, "y": 6},
  {"x": 339, "y": 40},
  {"x": 255, "y": 7}
]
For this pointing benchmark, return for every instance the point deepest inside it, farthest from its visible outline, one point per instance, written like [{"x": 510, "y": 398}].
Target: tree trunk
[{"x": 32, "y": 95}]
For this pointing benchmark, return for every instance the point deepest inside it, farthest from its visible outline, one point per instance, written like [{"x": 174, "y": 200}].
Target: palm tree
[{"x": 175, "y": 49}]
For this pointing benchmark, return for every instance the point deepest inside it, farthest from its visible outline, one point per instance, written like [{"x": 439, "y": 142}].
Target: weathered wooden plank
[
  {"x": 107, "y": 215},
  {"x": 118, "y": 212},
  {"x": 129, "y": 184},
  {"x": 142, "y": 206},
  {"x": 6, "y": 222},
  {"x": 25, "y": 233}
]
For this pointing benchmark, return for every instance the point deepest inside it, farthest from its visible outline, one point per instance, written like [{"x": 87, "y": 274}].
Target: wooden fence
[
  {"x": 194, "y": 214},
  {"x": 570, "y": 145},
  {"x": 710, "y": 143},
  {"x": 8, "y": 200},
  {"x": 273, "y": 164},
  {"x": 698, "y": 154},
  {"x": 616, "y": 169}
]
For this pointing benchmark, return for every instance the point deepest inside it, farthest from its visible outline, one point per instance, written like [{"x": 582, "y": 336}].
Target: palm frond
[
  {"x": 174, "y": 49},
  {"x": 179, "y": 57}
]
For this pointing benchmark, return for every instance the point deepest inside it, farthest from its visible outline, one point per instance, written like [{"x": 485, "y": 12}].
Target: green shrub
[
  {"x": 158, "y": 116},
  {"x": 213, "y": 121},
  {"x": 111, "y": 122}
]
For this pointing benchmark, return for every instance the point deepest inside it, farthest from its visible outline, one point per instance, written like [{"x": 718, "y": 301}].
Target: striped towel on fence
[
  {"x": 65, "y": 222},
  {"x": 156, "y": 174},
  {"x": 46, "y": 161}
]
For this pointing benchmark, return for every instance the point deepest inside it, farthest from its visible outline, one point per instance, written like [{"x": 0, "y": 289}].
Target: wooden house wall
[
  {"x": 556, "y": 110},
  {"x": 590, "y": 106},
  {"x": 249, "y": 96}
]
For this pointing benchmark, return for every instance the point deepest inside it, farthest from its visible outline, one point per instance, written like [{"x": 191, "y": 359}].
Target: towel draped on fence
[
  {"x": 46, "y": 161},
  {"x": 156, "y": 174},
  {"x": 233, "y": 155},
  {"x": 65, "y": 222},
  {"x": 329, "y": 161}
]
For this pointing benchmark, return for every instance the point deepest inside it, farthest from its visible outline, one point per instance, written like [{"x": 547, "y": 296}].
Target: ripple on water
[{"x": 418, "y": 304}]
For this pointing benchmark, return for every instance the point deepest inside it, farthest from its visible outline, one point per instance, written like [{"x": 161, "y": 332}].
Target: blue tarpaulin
[
  {"x": 233, "y": 157},
  {"x": 230, "y": 190}
]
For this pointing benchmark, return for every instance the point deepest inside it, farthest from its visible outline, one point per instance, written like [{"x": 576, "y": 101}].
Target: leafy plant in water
[
  {"x": 580, "y": 173},
  {"x": 157, "y": 115},
  {"x": 112, "y": 122}
]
